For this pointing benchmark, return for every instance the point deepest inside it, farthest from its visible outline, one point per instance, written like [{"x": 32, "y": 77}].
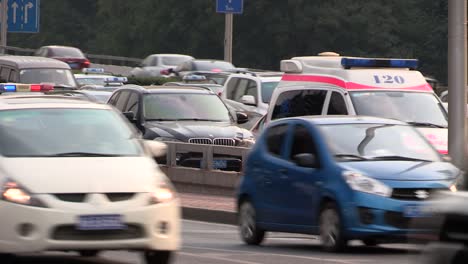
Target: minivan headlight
[
  {"x": 14, "y": 193},
  {"x": 361, "y": 183},
  {"x": 164, "y": 193}
]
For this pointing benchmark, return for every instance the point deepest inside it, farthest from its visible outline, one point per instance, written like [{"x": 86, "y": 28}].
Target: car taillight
[
  {"x": 164, "y": 72},
  {"x": 86, "y": 64}
]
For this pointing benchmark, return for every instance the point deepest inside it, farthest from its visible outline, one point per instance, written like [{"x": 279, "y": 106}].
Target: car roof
[
  {"x": 170, "y": 55},
  {"x": 30, "y": 62},
  {"x": 60, "y": 46},
  {"x": 11, "y": 102},
  {"x": 344, "y": 119},
  {"x": 167, "y": 89}
]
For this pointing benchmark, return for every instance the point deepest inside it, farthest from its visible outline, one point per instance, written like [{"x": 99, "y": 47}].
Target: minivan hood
[
  {"x": 83, "y": 174},
  {"x": 184, "y": 130},
  {"x": 404, "y": 170}
]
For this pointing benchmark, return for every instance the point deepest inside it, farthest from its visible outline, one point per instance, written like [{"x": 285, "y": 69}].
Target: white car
[
  {"x": 155, "y": 63},
  {"x": 253, "y": 89},
  {"x": 74, "y": 176}
]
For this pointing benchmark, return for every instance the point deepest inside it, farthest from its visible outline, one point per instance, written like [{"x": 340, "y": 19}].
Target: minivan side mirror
[
  {"x": 248, "y": 100},
  {"x": 130, "y": 116},
  {"x": 307, "y": 160},
  {"x": 242, "y": 117},
  {"x": 155, "y": 148}
]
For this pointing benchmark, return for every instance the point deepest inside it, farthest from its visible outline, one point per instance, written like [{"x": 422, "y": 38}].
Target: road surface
[{"x": 207, "y": 243}]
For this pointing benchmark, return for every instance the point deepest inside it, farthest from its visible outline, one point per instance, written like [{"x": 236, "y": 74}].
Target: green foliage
[{"x": 268, "y": 31}]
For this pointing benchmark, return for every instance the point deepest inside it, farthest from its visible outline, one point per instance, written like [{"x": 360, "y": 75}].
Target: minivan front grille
[{"x": 71, "y": 197}]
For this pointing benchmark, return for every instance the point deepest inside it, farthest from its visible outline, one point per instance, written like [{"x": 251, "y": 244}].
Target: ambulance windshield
[{"x": 419, "y": 109}]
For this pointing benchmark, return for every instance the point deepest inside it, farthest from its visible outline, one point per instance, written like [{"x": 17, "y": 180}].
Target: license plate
[
  {"x": 74, "y": 65},
  {"x": 219, "y": 164},
  {"x": 100, "y": 222},
  {"x": 416, "y": 211}
]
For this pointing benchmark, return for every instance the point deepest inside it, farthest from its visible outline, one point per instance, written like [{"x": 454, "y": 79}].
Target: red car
[{"x": 70, "y": 55}]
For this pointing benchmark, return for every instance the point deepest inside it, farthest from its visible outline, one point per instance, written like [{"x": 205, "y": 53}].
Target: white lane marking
[
  {"x": 217, "y": 258},
  {"x": 272, "y": 254},
  {"x": 205, "y": 231},
  {"x": 208, "y": 223}
]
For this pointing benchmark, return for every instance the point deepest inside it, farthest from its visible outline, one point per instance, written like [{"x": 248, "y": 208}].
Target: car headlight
[
  {"x": 361, "y": 183},
  {"x": 164, "y": 193},
  {"x": 14, "y": 193}
]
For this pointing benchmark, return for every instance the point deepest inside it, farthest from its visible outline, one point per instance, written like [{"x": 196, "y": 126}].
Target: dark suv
[{"x": 183, "y": 114}]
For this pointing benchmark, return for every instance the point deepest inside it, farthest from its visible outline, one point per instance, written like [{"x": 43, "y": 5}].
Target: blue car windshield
[{"x": 374, "y": 141}]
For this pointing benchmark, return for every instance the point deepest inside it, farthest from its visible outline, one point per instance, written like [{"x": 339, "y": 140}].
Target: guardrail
[
  {"x": 204, "y": 179},
  {"x": 94, "y": 58}
]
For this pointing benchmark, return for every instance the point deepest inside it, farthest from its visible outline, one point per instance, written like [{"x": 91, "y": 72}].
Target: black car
[{"x": 183, "y": 114}]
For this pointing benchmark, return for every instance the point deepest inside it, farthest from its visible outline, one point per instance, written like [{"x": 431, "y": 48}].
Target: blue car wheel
[
  {"x": 331, "y": 234},
  {"x": 249, "y": 231}
]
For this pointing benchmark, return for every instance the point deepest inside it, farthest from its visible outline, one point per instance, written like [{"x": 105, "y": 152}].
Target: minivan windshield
[
  {"x": 414, "y": 107},
  {"x": 59, "y": 77},
  {"x": 179, "y": 106},
  {"x": 65, "y": 132},
  {"x": 377, "y": 142}
]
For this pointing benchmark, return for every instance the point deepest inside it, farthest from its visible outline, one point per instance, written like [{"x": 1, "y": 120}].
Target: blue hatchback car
[{"x": 342, "y": 178}]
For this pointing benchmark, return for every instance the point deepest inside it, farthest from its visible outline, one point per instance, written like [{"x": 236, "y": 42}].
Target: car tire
[
  {"x": 89, "y": 253},
  {"x": 370, "y": 242},
  {"x": 158, "y": 257},
  {"x": 330, "y": 229},
  {"x": 248, "y": 229}
]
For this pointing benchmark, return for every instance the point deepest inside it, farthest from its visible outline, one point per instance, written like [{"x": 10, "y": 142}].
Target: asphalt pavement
[{"x": 210, "y": 243}]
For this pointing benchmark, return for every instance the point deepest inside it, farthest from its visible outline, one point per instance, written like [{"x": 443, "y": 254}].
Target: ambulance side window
[
  {"x": 337, "y": 105},
  {"x": 299, "y": 103}
]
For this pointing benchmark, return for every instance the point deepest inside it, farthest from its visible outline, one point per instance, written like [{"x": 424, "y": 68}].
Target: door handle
[
  {"x": 319, "y": 183},
  {"x": 283, "y": 171}
]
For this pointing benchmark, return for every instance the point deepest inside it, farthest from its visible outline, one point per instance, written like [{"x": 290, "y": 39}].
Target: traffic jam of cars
[{"x": 342, "y": 148}]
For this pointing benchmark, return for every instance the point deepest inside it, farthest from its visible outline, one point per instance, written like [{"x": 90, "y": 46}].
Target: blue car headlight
[{"x": 361, "y": 183}]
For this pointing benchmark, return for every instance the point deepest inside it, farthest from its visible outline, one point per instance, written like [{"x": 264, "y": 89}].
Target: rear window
[
  {"x": 174, "y": 60},
  {"x": 212, "y": 65},
  {"x": 66, "y": 52}
]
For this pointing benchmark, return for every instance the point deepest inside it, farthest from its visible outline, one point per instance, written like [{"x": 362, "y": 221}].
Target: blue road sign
[
  {"x": 23, "y": 16},
  {"x": 230, "y": 6}
]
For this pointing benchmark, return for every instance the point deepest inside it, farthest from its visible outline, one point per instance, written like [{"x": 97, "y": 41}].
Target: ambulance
[{"x": 330, "y": 84}]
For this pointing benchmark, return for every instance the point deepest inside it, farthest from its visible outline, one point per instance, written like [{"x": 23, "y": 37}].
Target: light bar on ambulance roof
[
  {"x": 116, "y": 80},
  {"x": 93, "y": 70},
  {"x": 348, "y": 63},
  {"x": 11, "y": 87}
]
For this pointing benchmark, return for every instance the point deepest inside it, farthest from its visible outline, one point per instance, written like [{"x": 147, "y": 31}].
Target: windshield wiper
[
  {"x": 425, "y": 124},
  {"x": 395, "y": 157},
  {"x": 350, "y": 156},
  {"x": 82, "y": 154}
]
